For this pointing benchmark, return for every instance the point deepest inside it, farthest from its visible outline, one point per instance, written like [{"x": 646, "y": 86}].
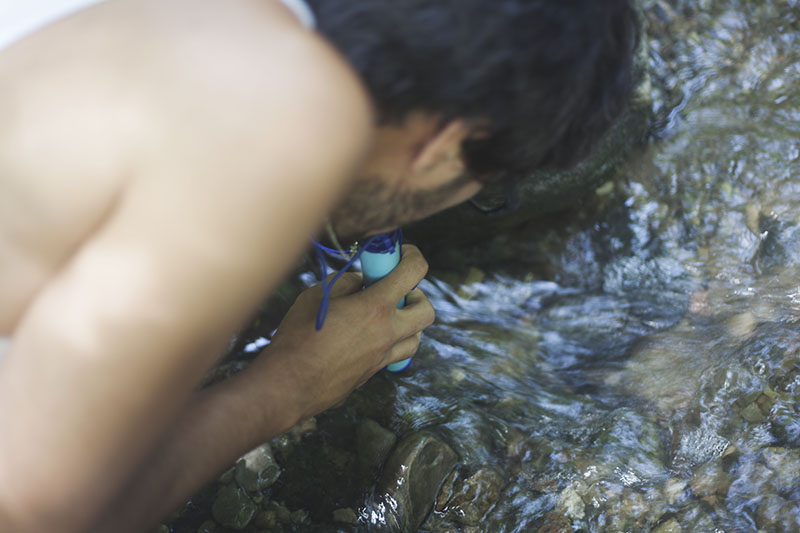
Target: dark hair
[{"x": 549, "y": 75}]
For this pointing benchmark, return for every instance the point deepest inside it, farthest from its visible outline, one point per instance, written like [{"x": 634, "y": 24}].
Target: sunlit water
[{"x": 633, "y": 363}]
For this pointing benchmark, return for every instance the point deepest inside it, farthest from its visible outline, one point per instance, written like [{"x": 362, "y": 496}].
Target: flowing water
[{"x": 632, "y": 364}]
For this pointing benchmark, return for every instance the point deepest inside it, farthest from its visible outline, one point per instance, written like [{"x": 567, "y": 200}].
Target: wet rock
[
  {"x": 261, "y": 461},
  {"x": 752, "y": 414},
  {"x": 228, "y": 476},
  {"x": 412, "y": 477},
  {"x": 675, "y": 490},
  {"x": 710, "y": 482},
  {"x": 670, "y": 526},
  {"x": 519, "y": 506},
  {"x": 472, "y": 436},
  {"x": 246, "y": 478},
  {"x": 209, "y": 526},
  {"x": 694, "y": 518},
  {"x": 786, "y": 467},
  {"x": 266, "y": 519},
  {"x": 160, "y": 528},
  {"x": 571, "y": 503},
  {"x": 765, "y": 403},
  {"x": 467, "y": 290},
  {"x": 769, "y": 511},
  {"x": 233, "y": 508},
  {"x": 374, "y": 444},
  {"x": 631, "y": 512},
  {"x": 446, "y": 491},
  {"x": 281, "y": 512},
  {"x": 473, "y": 495},
  {"x": 742, "y": 325},
  {"x": 345, "y": 516},
  {"x": 299, "y": 517},
  {"x": 785, "y": 422},
  {"x": 303, "y": 429},
  {"x": 257, "y": 469},
  {"x": 555, "y": 522}
]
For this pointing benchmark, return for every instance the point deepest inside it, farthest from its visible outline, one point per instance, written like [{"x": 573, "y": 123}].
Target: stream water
[{"x": 632, "y": 364}]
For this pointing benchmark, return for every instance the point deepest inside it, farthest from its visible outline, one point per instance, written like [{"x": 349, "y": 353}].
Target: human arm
[{"x": 301, "y": 373}]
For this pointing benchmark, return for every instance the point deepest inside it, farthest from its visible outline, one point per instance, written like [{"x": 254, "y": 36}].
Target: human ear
[{"x": 439, "y": 159}]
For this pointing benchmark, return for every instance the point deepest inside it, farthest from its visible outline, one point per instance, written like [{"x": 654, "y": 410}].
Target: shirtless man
[{"x": 162, "y": 166}]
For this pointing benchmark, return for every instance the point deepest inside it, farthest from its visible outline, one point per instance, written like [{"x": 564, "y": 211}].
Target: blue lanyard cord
[{"x": 381, "y": 243}]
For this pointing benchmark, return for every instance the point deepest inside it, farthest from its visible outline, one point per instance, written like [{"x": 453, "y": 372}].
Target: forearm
[{"x": 219, "y": 424}]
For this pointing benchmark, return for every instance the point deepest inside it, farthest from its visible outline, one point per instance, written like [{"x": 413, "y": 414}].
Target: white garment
[
  {"x": 5, "y": 342},
  {"x": 302, "y": 11},
  {"x": 18, "y": 18}
]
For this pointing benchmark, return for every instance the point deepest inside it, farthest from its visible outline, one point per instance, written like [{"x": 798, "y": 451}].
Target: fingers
[
  {"x": 417, "y": 314},
  {"x": 406, "y": 275},
  {"x": 405, "y": 348}
]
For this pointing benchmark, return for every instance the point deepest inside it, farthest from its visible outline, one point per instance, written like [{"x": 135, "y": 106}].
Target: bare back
[{"x": 78, "y": 102}]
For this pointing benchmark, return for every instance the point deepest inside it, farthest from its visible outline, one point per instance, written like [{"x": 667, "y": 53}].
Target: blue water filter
[{"x": 379, "y": 257}]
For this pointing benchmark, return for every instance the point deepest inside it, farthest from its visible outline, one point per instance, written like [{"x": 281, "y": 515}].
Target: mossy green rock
[{"x": 233, "y": 508}]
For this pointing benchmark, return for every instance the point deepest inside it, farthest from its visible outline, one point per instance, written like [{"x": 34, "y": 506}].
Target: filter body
[{"x": 379, "y": 258}]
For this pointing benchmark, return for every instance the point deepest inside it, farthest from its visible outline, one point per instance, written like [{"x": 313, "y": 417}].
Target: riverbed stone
[
  {"x": 753, "y": 414},
  {"x": 710, "y": 482},
  {"x": 346, "y": 515},
  {"x": 266, "y": 519},
  {"x": 785, "y": 464},
  {"x": 209, "y": 526},
  {"x": 412, "y": 477},
  {"x": 570, "y": 502},
  {"x": 374, "y": 443},
  {"x": 555, "y": 522},
  {"x": 282, "y": 513},
  {"x": 670, "y": 526},
  {"x": 257, "y": 469},
  {"x": 675, "y": 490},
  {"x": 473, "y": 495},
  {"x": 233, "y": 508}
]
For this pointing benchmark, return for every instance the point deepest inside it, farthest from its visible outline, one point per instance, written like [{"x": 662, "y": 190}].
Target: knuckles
[{"x": 415, "y": 260}]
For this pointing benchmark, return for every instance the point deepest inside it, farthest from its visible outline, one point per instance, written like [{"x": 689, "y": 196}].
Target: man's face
[
  {"x": 373, "y": 206},
  {"x": 414, "y": 170}
]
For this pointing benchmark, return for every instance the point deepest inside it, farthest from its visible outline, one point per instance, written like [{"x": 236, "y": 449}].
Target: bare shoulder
[
  {"x": 249, "y": 68},
  {"x": 206, "y": 104}
]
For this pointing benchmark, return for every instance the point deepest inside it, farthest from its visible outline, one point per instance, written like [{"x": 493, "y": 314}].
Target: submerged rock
[
  {"x": 412, "y": 477},
  {"x": 777, "y": 514},
  {"x": 472, "y": 496},
  {"x": 710, "y": 482},
  {"x": 670, "y": 526},
  {"x": 785, "y": 464},
  {"x": 345, "y": 516},
  {"x": 571, "y": 503}
]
